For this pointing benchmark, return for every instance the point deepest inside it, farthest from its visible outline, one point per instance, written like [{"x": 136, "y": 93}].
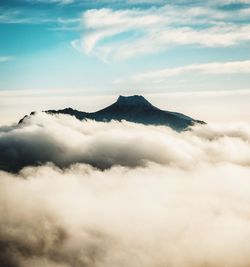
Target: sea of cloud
[{"x": 99, "y": 194}]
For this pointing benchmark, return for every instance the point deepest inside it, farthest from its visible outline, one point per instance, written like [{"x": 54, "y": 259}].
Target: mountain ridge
[{"x": 135, "y": 109}]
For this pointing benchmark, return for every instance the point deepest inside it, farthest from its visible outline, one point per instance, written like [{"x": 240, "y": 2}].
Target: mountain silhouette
[{"x": 134, "y": 109}]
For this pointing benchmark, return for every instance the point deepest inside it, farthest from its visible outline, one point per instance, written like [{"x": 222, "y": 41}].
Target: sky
[{"x": 187, "y": 56}]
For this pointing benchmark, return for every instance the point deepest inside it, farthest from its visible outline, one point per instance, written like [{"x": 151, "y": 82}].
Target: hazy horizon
[{"x": 210, "y": 106}]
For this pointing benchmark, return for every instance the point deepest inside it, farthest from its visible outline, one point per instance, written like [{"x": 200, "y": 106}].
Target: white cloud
[
  {"x": 230, "y": 67},
  {"x": 63, "y": 2},
  {"x": 119, "y": 34},
  {"x": 45, "y": 138},
  {"x": 190, "y": 209}
]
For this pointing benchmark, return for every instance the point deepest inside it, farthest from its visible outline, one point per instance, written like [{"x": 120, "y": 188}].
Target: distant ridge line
[{"x": 133, "y": 108}]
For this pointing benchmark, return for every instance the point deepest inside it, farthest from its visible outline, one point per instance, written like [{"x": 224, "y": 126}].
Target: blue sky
[{"x": 74, "y": 49}]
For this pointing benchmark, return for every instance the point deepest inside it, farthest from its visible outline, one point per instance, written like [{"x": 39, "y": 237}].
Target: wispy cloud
[
  {"x": 10, "y": 16},
  {"x": 230, "y": 67},
  {"x": 119, "y": 34},
  {"x": 5, "y": 58},
  {"x": 63, "y": 2},
  {"x": 235, "y": 1},
  {"x": 23, "y": 16},
  {"x": 20, "y": 16}
]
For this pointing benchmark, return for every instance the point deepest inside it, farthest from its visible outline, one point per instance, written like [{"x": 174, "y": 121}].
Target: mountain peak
[
  {"x": 134, "y": 100},
  {"x": 135, "y": 109}
]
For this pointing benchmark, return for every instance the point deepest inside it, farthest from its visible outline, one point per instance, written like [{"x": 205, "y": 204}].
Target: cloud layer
[
  {"x": 64, "y": 140},
  {"x": 180, "y": 199}
]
